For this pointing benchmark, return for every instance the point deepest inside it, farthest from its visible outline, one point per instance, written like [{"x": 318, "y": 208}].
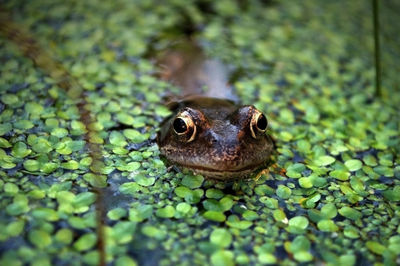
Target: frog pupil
[
  {"x": 180, "y": 126},
  {"x": 262, "y": 122}
]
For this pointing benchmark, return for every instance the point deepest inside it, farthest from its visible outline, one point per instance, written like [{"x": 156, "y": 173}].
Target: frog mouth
[
  {"x": 233, "y": 167},
  {"x": 226, "y": 174},
  {"x": 204, "y": 168}
]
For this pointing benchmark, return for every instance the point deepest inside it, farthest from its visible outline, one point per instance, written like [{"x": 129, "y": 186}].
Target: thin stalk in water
[{"x": 378, "y": 91}]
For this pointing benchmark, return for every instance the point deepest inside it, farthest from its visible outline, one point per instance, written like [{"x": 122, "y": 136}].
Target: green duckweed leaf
[
  {"x": 117, "y": 139},
  {"x": 221, "y": 237},
  {"x": 280, "y": 216},
  {"x": 394, "y": 244},
  {"x": 340, "y": 174},
  {"x": 20, "y": 150},
  {"x": 166, "y": 212},
  {"x": 190, "y": 196},
  {"x": 214, "y": 216},
  {"x": 324, "y": 160},
  {"x": 144, "y": 180},
  {"x": 64, "y": 236},
  {"x": 353, "y": 165},
  {"x": 23, "y": 124},
  {"x": 347, "y": 259},
  {"x": 306, "y": 182},
  {"x": 84, "y": 199},
  {"x": 295, "y": 170},
  {"x": 329, "y": 210},
  {"x": 303, "y": 256},
  {"x": 49, "y": 167},
  {"x": 350, "y": 213},
  {"x": 392, "y": 194},
  {"x": 9, "y": 99},
  {"x": 5, "y": 128},
  {"x": 370, "y": 160},
  {"x": 262, "y": 190},
  {"x": 300, "y": 243},
  {"x": 85, "y": 242},
  {"x": 303, "y": 146},
  {"x": 286, "y": 116},
  {"x": 375, "y": 247},
  {"x": 45, "y": 214},
  {"x": 250, "y": 215},
  {"x": 140, "y": 213},
  {"x": 125, "y": 118},
  {"x": 384, "y": 170},
  {"x": 33, "y": 108},
  {"x": 117, "y": 213},
  {"x": 135, "y": 136},
  {"x": 234, "y": 222},
  {"x": 183, "y": 207},
  {"x": 267, "y": 258},
  {"x": 19, "y": 205},
  {"x": 123, "y": 231},
  {"x": 153, "y": 232},
  {"x": 130, "y": 167},
  {"x": 162, "y": 111},
  {"x": 96, "y": 180},
  {"x": 222, "y": 258},
  {"x": 351, "y": 232},
  {"x": 327, "y": 226},
  {"x": 4, "y": 143},
  {"x": 125, "y": 261},
  {"x": 39, "y": 238},
  {"x": 42, "y": 145},
  {"x": 70, "y": 165},
  {"x": 192, "y": 181},
  {"x": 15, "y": 228},
  {"x": 10, "y": 188},
  {"x": 32, "y": 165},
  {"x": 129, "y": 188},
  {"x": 283, "y": 192},
  {"x": 91, "y": 258},
  {"x": 297, "y": 224},
  {"x": 59, "y": 132},
  {"x": 77, "y": 128},
  {"x": 213, "y": 193},
  {"x": 311, "y": 201}
]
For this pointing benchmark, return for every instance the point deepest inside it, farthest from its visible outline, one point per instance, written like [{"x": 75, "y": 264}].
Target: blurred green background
[{"x": 309, "y": 65}]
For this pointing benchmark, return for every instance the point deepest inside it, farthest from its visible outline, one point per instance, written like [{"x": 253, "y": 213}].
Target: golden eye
[
  {"x": 184, "y": 126},
  {"x": 258, "y": 123}
]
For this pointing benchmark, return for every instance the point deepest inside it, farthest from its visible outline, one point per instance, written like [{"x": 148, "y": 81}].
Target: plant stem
[{"x": 378, "y": 91}]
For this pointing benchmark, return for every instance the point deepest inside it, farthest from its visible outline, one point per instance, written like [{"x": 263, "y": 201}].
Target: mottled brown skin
[
  {"x": 220, "y": 144},
  {"x": 223, "y": 147}
]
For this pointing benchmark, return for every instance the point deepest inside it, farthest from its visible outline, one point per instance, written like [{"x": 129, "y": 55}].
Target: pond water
[{"x": 308, "y": 65}]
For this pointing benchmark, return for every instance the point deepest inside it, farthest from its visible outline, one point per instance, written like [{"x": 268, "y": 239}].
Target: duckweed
[
  {"x": 221, "y": 237},
  {"x": 166, "y": 212},
  {"x": 332, "y": 199}
]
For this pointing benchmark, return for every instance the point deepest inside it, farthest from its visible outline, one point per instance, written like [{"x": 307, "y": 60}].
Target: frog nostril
[{"x": 213, "y": 141}]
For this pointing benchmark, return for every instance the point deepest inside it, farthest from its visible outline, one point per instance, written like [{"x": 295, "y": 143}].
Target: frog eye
[
  {"x": 180, "y": 126},
  {"x": 258, "y": 123},
  {"x": 184, "y": 126}
]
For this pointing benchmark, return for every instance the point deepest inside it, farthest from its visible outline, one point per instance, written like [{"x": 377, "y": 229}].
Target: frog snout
[{"x": 221, "y": 138}]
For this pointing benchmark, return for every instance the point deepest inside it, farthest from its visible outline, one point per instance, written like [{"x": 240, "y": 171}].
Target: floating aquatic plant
[{"x": 307, "y": 65}]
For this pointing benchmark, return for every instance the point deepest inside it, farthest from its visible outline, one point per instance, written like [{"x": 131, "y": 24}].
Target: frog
[{"x": 209, "y": 131}]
